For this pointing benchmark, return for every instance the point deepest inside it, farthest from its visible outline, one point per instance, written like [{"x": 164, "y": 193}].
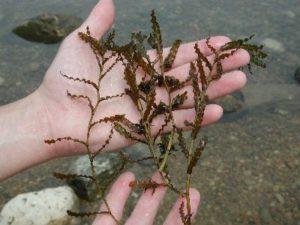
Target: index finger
[
  {"x": 116, "y": 200},
  {"x": 186, "y": 52}
]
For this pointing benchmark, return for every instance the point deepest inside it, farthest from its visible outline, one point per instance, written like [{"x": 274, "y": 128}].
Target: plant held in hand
[{"x": 152, "y": 111}]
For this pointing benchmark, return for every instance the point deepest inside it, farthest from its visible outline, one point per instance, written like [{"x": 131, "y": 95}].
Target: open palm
[{"x": 70, "y": 118}]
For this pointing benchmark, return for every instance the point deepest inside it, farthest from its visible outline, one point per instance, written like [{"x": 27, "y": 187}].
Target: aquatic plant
[{"x": 162, "y": 143}]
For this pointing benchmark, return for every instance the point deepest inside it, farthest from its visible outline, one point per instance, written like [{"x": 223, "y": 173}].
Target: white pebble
[
  {"x": 1, "y": 81},
  {"x": 273, "y": 44},
  {"x": 45, "y": 207}
]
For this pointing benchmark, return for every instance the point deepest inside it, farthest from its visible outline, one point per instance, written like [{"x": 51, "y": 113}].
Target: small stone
[
  {"x": 250, "y": 183},
  {"x": 290, "y": 14},
  {"x": 297, "y": 183},
  {"x": 45, "y": 207},
  {"x": 297, "y": 75},
  {"x": 273, "y": 44},
  {"x": 2, "y": 80},
  {"x": 276, "y": 187},
  {"x": 281, "y": 112},
  {"x": 247, "y": 173},
  {"x": 105, "y": 167},
  {"x": 280, "y": 198},
  {"x": 249, "y": 213},
  {"x": 33, "y": 66},
  {"x": 233, "y": 138},
  {"x": 266, "y": 216},
  {"x": 212, "y": 183},
  {"x": 135, "y": 195},
  {"x": 47, "y": 28},
  {"x": 273, "y": 204}
]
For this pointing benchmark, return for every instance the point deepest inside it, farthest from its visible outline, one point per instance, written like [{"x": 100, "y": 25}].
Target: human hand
[
  {"x": 67, "y": 117},
  {"x": 147, "y": 206}
]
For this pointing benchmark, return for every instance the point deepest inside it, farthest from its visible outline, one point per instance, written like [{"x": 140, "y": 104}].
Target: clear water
[{"x": 243, "y": 175}]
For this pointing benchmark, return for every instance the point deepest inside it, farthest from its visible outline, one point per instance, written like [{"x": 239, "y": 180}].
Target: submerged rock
[
  {"x": 297, "y": 75},
  {"x": 45, "y": 207},
  {"x": 47, "y": 28},
  {"x": 273, "y": 44},
  {"x": 105, "y": 167},
  {"x": 231, "y": 103}
]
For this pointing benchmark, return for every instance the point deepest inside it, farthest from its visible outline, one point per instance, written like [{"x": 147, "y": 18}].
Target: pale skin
[{"x": 49, "y": 113}]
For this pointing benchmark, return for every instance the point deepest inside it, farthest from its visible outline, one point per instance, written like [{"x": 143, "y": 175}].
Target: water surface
[{"x": 249, "y": 173}]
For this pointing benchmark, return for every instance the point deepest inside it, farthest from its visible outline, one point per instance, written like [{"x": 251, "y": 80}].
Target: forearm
[{"x": 24, "y": 127}]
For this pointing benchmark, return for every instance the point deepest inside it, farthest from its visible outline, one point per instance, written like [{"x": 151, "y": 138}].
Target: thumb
[{"x": 100, "y": 19}]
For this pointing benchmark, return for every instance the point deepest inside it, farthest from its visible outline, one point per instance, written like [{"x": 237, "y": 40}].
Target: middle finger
[{"x": 227, "y": 84}]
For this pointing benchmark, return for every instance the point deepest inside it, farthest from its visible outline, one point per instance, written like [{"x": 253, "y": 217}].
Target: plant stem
[
  {"x": 188, "y": 184},
  {"x": 93, "y": 112},
  {"x": 163, "y": 164},
  {"x": 188, "y": 199}
]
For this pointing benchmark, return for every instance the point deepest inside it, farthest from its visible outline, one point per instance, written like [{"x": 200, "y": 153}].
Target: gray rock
[
  {"x": 297, "y": 75},
  {"x": 105, "y": 166},
  {"x": 230, "y": 103},
  {"x": 139, "y": 151},
  {"x": 47, "y": 28},
  {"x": 45, "y": 207}
]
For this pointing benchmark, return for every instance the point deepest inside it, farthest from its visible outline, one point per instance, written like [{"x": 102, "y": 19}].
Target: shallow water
[{"x": 243, "y": 172}]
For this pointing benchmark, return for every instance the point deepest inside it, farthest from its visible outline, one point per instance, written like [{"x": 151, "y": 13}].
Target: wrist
[
  {"x": 42, "y": 126},
  {"x": 24, "y": 126}
]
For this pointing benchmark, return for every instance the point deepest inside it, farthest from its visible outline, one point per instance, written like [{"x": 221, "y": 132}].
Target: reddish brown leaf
[{"x": 169, "y": 60}]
